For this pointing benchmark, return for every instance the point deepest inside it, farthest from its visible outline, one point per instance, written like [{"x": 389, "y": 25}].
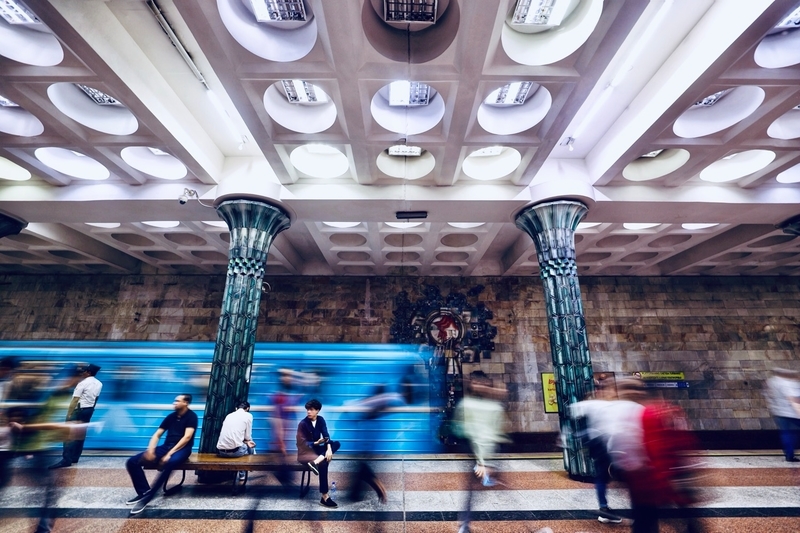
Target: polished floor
[{"x": 742, "y": 491}]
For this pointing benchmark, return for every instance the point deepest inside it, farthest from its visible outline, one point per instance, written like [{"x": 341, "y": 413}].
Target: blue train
[{"x": 140, "y": 380}]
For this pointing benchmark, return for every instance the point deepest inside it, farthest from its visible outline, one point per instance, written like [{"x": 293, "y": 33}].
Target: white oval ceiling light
[
  {"x": 406, "y": 167},
  {"x": 319, "y": 161},
  {"x": 216, "y": 223},
  {"x": 514, "y": 108},
  {"x": 12, "y": 171},
  {"x": 781, "y": 48},
  {"x": 104, "y": 225},
  {"x": 154, "y": 162},
  {"x": 92, "y": 108},
  {"x": 407, "y": 107},
  {"x": 635, "y": 226},
  {"x": 276, "y": 30},
  {"x": 164, "y": 224},
  {"x": 403, "y": 225},
  {"x": 466, "y": 225},
  {"x": 342, "y": 225},
  {"x": 698, "y": 226},
  {"x": 718, "y": 111},
  {"x": 491, "y": 163},
  {"x": 655, "y": 164},
  {"x": 299, "y": 106},
  {"x": 72, "y": 163},
  {"x": 16, "y": 121},
  {"x": 786, "y": 126},
  {"x": 536, "y": 34},
  {"x": 24, "y": 38},
  {"x": 736, "y": 166},
  {"x": 588, "y": 225},
  {"x": 790, "y": 175}
]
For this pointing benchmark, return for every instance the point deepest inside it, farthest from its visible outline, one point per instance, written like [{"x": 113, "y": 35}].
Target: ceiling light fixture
[
  {"x": 279, "y": 10},
  {"x": 487, "y": 152},
  {"x": 641, "y": 45},
  {"x": 711, "y": 99},
  {"x": 403, "y": 150},
  {"x": 653, "y": 153},
  {"x": 97, "y": 96},
  {"x": 302, "y": 92},
  {"x": 15, "y": 12},
  {"x": 409, "y": 93},
  {"x": 540, "y": 12},
  {"x": 5, "y": 102},
  {"x": 156, "y": 151},
  {"x": 513, "y": 93},
  {"x": 790, "y": 21},
  {"x": 419, "y": 11},
  {"x": 409, "y": 215}
]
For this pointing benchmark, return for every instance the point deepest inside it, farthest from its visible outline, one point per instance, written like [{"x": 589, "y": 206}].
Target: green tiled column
[
  {"x": 253, "y": 225},
  {"x": 552, "y": 227}
]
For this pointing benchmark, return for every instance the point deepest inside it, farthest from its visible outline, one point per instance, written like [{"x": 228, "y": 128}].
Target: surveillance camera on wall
[
  {"x": 183, "y": 199},
  {"x": 187, "y": 193}
]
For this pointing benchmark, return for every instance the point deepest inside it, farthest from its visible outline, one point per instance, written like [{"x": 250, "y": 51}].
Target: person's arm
[
  {"x": 305, "y": 434},
  {"x": 73, "y": 404},
  {"x": 150, "y": 452},
  {"x": 248, "y": 432},
  {"x": 187, "y": 436}
]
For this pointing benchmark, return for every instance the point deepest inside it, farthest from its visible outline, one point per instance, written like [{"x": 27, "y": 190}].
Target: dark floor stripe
[{"x": 391, "y": 516}]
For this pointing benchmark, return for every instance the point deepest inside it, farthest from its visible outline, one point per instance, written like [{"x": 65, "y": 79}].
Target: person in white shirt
[
  {"x": 235, "y": 437},
  {"x": 783, "y": 400},
  {"x": 81, "y": 409}
]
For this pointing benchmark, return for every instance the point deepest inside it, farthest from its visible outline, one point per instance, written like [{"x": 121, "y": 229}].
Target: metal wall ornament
[{"x": 458, "y": 331}]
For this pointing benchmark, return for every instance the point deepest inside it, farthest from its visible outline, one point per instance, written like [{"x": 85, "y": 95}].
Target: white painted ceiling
[{"x": 616, "y": 77}]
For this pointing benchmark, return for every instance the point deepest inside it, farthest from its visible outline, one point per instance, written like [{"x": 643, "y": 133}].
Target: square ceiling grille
[
  {"x": 410, "y": 11},
  {"x": 279, "y": 10}
]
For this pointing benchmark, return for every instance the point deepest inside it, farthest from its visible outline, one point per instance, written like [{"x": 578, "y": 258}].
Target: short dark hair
[
  {"x": 243, "y": 405},
  {"x": 313, "y": 404},
  {"x": 187, "y": 398}
]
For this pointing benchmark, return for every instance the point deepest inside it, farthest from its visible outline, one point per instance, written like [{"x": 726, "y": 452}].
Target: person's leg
[
  {"x": 787, "y": 436},
  {"x": 74, "y": 448},
  {"x": 323, "y": 477},
  {"x": 136, "y": 472},
  {"x": 179, "y": 457},
  {"x": 45, "y": 479}
]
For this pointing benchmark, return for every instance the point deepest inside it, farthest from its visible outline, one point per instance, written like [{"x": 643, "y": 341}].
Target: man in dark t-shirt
[{"x": 180, "y": 427}]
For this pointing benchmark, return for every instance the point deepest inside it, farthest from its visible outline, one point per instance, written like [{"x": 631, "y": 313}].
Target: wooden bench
[{"x": 268, "y": 462}]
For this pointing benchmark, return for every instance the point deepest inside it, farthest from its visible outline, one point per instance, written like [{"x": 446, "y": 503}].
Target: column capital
[
  {"x": 253, "y": 225},
  {"x": 10, "y": 225},
  {"x": 552, "y": 227}
]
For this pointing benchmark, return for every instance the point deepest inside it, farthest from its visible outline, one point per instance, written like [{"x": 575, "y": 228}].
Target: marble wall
[{"x": 725, "y": 333}]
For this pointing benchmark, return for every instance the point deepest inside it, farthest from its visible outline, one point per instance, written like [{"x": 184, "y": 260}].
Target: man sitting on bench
[
  {"x": 180, "y": 427},
  {"x": 235, "y": 437}
]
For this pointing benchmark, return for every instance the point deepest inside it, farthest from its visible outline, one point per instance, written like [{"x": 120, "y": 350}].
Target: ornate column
[
  {"x": 552, "y": 226},
  {"x": 10, "y": 225},
  {"x": 253, "y": 225}
]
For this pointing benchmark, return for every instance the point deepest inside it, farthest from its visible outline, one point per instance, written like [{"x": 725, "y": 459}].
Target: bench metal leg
[
  {"x": 177, "y": 487},
  {"x": 305, "y": 483}
]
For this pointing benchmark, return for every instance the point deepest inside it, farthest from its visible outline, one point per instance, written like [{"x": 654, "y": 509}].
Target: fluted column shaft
[
  {"x": 253, "y": 226},
  {"x": 552, "y": 227}
]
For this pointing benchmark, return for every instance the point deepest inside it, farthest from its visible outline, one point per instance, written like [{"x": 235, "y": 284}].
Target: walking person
[
  {"x": 783, "y": 400},
  {"x": 316, "y": 449},
  {"x": 235, "y": 437},
  {"x": 81, "y": 409},
  {"x": 180, "y": 427},
  {"x": 482, "y": 419}
]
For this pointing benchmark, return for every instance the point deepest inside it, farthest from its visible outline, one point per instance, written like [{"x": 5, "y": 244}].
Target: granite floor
[{"x": 742, "y": 492}]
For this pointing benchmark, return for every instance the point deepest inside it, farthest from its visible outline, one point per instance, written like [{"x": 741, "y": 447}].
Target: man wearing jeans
[
  {"x": 180, "y": 427},
  {"x": 235, "y": 437}
]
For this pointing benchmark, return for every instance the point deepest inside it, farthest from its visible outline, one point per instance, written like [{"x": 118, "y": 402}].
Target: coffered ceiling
[{"x": 676, "y": 121}]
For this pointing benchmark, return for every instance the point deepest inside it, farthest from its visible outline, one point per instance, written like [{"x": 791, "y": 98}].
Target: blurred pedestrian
[
  {"x": 180, "y": 427},
  {"x": 783, "y": 400},
  {"x": 481, "y": 417},
  {"x": 81, "y": 409},
  {"x": 8, "y": 365},
  {"x": 315, "y": 448}
]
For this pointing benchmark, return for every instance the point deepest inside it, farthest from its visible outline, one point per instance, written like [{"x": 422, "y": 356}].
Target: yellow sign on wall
[{"x": 549, "y": 392}]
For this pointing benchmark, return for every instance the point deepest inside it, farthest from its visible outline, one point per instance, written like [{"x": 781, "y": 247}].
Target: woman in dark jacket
[{"x": 315, "y": 447}]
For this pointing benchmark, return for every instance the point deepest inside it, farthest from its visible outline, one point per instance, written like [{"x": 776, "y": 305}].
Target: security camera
[{"x": 187, "y": 193}]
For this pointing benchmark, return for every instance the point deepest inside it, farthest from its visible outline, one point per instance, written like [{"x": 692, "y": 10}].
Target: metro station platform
[{"x": 744, "y": 491}]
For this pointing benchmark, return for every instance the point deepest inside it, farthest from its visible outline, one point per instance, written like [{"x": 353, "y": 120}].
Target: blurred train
[{"x": 140, "y": 380}]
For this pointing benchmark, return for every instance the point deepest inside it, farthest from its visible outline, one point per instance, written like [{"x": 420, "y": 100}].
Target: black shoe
[
  {"x": 60, "y": 464},
  {"x": 135, "y": 499},
  {"x": 788, "y": 460},
  {"x": 313, "y": 468},
  {"x": 144, "y": 499},
  {"x": 607, "y": 516},
  {"x": 328, "y": 503}
]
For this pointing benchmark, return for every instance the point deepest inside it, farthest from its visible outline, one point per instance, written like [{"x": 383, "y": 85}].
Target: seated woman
[{"x": 315, "y": 447}]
